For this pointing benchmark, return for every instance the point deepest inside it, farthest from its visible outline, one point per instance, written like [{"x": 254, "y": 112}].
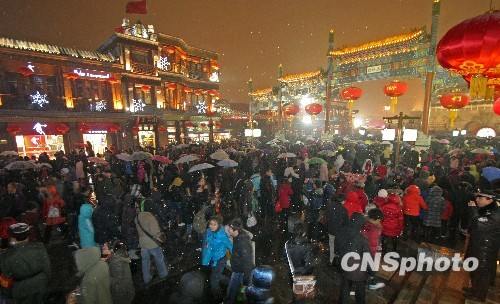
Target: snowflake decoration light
[
  {"x": 201, "y": 107},
  {"x": 100, "y": 105},
  {"x": 214, "y": 77},
  {"x": 137, "y": 105},
  {"x": 164, "y": 64},
  {"x": 39, "y": 99}
]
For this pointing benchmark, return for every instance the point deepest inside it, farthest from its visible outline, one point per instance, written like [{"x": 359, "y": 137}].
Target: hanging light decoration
[
  {"x": 351, "y": 94},
  {"x": 471, "y": 49},
  {"x": 113, "y": 80},
  {"x": 314, "y": 109},
  {"x": 71, "y": 76},
  {"x": 291, "y": 109},
  {"x": 394, "y": 89},
  {"x": 145, "y": 88},
  {"x": 453, "y": 102}
]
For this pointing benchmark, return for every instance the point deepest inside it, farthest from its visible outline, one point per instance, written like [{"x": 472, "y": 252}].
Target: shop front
[
  {"x": 99, "y": 135},
  {"x": 34, "y": 138}
]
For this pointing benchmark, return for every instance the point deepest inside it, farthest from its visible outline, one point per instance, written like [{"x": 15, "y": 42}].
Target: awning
[{"x": 37, "y": 128}]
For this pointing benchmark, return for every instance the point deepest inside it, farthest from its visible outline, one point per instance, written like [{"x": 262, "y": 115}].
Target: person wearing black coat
[
  {"x": 337, "y": 219},
  {"x": 350, "y": 240},
  {"x": 299, "y": 251},
  {"x": 483, "y": 244},
  {"x": 105, "y": 221},
  {"x": 241, "y": 260}
]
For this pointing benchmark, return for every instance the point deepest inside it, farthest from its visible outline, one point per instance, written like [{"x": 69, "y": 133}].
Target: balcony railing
[{"x": 141, "y": 68}]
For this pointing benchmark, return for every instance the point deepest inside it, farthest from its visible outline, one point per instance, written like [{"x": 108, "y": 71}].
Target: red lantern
[
  {"x": 135, "y": 130},
  {"x": 218, "y": 125},
  {"x": 395, "y": 88},
  {"x": 145, "y": 88},
  {"x": 203, "y": 125},
  {"x": 454, "y": 100},
  {"x": 62, "y": 128},
  {"x": 114, "y": 128},
  {"x": 496, "y": 106},
  {"x": 314, "y": 109},
  {"x": 351, "y": 93},
  {"x": 13, "y": 129},
  {"x": 471, "y": 50},
  {"x": 113, "y": 80},
  {"x": 162, "y": 129},
  {"x": 291, "y": 109},
  {"x": 188, "y": 124},
  {"x": 188, "y": 90},
  {"x": 171, "y": 86},
  {"x": 71, "y": 76},
  {"x": 25, "y": 71},
  {"x": 84, "y": 128}
]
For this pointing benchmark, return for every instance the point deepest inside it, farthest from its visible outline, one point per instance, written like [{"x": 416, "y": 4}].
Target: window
[
  {"x": 87, "y": 91},
  {"x": 140, "y": 57}
]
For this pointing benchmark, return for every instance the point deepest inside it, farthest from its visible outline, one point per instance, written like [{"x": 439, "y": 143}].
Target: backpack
[{"x": 200, "y": 221}]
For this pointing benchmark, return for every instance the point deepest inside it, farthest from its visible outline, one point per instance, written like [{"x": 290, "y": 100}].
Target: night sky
[{"x": 252, "y": 36}]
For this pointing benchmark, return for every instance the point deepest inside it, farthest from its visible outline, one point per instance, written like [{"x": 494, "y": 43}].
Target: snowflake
[
  {"x": 202, "y": 107},
  {"x": 39, "y": 99},
  {"x": 215, "y": 76},
  {"x": 137, "y": 105},
  {"x": 163, "y": 64},
  {"x": 100, "y": 105}
]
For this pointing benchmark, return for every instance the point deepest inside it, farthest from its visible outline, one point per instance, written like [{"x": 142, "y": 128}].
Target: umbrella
[
  {"x": 97, "y": 160},
  {"x": 286, "y": 155},
  {"x": 40, "y": 166},
  {"x": 9, "y": 153},
  {"x": 141, "y": 155},
  {"x": 182, "y": 146},
  {"x": 200, "y": 167},
  {"x": 443, "y": 141},
  {"x": 480, "y": 151},
  {"x": 327, "y": 153},
  {"x": 454, "y": 151},
  {"x": 219, "y": 155},
  {"x": 186, "y": 159},
  {"x": 491, "y": 173},
  {"x": 385, "y": 142},
  {"x": 162, "y": 159},
  {"x": 124, "y": 156},
  {"x": 20, "y": 165},
  {"x": 227, "y": 163},
  {"x": 316, "y": 161},
  {"x": 273, "y": 142}
]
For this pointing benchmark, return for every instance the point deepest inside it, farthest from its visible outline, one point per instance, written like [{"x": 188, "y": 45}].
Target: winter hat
[
  {"x": 382, "y": 193},
  {"x": 19, "y": 228}
]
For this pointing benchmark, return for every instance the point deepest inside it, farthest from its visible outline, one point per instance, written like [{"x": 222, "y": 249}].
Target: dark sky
[{"x": 252, "y": 36}]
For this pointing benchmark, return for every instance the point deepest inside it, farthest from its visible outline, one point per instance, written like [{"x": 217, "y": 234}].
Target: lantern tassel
[
  {"x": 394, "y": 104},
  {"x": 453, "y": 114},
  {"x": 478, "y": 86}
]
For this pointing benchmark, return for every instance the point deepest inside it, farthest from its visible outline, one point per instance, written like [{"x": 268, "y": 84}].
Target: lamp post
[{"x": 399, "y": 130}]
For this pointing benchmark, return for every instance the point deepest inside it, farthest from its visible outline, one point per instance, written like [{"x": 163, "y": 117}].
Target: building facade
[{"x": 138, "y": 88}]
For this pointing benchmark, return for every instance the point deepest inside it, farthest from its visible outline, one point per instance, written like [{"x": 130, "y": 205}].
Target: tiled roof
[
  {"x": 299, "y": 77},
  {"x": 54, "y": 49}
]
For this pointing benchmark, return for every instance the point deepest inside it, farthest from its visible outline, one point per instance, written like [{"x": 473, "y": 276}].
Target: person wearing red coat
[
  {"x": 381, "y": 198},
  {"x": 285, "y": 192},
  {"x": 413, "y": 202},
  {"x": 352, "y": 203},
  {"x": 363, "y": 198},
  {"x": 445, "y": 216},
  {"x": 393, "y": 222},
  {"x": 52, "y": 211}
]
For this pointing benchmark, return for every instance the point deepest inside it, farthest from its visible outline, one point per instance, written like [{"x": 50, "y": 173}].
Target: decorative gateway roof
[
  {"x": 54, "y": 49},
  {"x": 261, "y": 92},
  {"x": 299, "y": 77},
  {"x": 385, "y": 47}
]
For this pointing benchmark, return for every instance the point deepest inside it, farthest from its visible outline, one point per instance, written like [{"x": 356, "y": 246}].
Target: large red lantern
[
  {"x": 291, "y": 110},
  {"x": 351, "y": 93},
  {"x": 471, "y": 49},
  {"x": 314, "y": 108},
  {"x": 84, "y": 128},
  {"x": 162, "y": 128},
  {"x": 496, "y": 106},
  {"x": 188, "y": 124},
  {"x": 25, "y": 71},
  {"x": 394, "y": 89},
  {"x": 145, "y": 88},
  {"x": 71, "y": 76},
  {"x": 113, "y": 80},
  {"x": 453, "y": 102},
  {"x": 13, "y": 129},
  {"x": 114, "y": 128},
  {"x": 62, "y": 128}
]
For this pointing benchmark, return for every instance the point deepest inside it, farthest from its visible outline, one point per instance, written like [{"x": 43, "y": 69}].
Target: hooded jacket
[
  {"x": 337, "y": 217},
  {"x": 85, "y": 226},
  {"x": 393, "y": 222},
  {"x": 122, "y": 285},
  {"x": 242, "y": 257},
  {"x": 413, "y": 201},
  {"x": 215, "y": 245},
  {"x": 95, "y": 284},
  {"x": 352, "y": 204},
  {"x": 436, "y": 203}
]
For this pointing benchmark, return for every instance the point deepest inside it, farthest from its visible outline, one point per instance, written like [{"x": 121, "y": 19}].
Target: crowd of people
[{"x": 117, "y": 208}]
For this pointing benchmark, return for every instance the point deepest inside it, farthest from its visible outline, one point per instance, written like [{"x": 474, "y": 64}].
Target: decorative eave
[
  {"x": 261, "y": 92},
  {"x": 140, "y": 76},
  {"x": 179, "y": 78},
  {"x": 392, "y": 41},
  {"x": 179, "y": 42},
  {"x": 299, "y": 77},
  {"x": 44, "y": 48},
  {"x": 116, "y": 37}
]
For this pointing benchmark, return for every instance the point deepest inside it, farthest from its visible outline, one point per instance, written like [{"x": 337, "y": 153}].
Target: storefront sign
[
  {"x": 374, "y": 69},
  {"x": 91, "y": 74}
]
